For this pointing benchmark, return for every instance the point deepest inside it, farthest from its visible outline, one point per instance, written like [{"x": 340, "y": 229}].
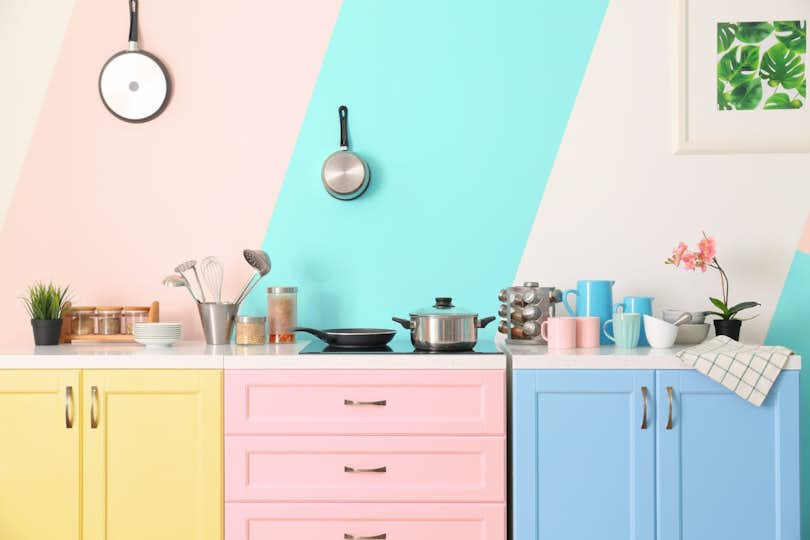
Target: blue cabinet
[
  {"x": 726, "y": 469},
  {"x": 583, "y": 467},
  {"x": 586, "y": 466}
]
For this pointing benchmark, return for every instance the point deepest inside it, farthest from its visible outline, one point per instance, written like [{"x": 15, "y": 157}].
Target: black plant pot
[
  {"x": 46, "y": 332},
  {"x": 730, "y": 328}
]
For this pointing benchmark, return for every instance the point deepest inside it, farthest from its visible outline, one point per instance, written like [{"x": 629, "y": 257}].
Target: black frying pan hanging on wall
[{"x": 134, "y": 85}]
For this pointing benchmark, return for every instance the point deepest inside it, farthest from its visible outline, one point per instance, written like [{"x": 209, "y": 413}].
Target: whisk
[
  {"x": 212, "y": 273},
  {"x": 260, "y": 261}
]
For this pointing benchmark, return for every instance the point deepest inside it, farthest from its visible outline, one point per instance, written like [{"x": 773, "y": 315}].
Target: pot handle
[
  {"x": 323, "y": 336},
  {"x": 485, "y": 321},
  {"x": 404, "y": 322},
  {"x": 343, "y": 113}
]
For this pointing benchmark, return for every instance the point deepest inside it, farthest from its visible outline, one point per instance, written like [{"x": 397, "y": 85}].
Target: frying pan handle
[
  {"x": 404, "y": 322},
  {"x": 133, "y": 21},
  {"x": 343, "y": 114},
  {"x": 317, "y": 333},
  {"x": 485, "y": 321}
]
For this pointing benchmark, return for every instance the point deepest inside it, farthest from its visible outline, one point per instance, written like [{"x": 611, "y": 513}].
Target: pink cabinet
[
  {"x": 362, "y": 468},
  {"x": 359, "y": 454},
  {"x": 366, "y": 402},
  {"x": 263, "y": 521}
]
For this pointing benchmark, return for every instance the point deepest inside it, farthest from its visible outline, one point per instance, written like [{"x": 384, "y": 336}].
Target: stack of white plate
[{"x": 157, "y": 334}]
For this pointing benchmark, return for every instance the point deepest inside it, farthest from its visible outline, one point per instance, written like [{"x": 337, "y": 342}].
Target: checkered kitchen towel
[{"x": 747, "y": 370}]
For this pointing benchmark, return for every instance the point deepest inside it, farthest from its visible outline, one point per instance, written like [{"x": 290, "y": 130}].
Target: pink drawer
[
  {"x": 258, "y": 521},
  {"x": 339, "y": 469},
  {"x": 372, "y": 402}
]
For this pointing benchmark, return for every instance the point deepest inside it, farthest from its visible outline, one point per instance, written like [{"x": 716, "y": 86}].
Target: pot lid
[{"x": 444, "y": 307}]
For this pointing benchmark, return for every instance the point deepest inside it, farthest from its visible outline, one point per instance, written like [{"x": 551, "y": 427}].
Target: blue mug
[
  {"x": 637, "y": 304},
  {"x": 626, "y": 330},
  {"x": 594, "y": 299}
]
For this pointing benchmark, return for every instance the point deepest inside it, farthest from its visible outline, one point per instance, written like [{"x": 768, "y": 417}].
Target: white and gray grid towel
[{"x": 747, "y": 370}]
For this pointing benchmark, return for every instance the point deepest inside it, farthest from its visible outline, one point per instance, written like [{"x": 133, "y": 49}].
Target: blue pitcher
[
  {"x": 594, "y": 299},
  {"x": 637, "y": 304}
]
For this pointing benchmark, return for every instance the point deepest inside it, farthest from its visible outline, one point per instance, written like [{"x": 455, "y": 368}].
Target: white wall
[
  {"x": 618, "y": 200},
  {"x": 31, "y": 33}
]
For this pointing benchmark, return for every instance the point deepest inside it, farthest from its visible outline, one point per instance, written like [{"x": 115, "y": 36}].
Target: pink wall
[{"x": 111, "y": 207}]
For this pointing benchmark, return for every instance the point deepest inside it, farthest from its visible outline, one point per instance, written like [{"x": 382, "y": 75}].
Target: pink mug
[
  {"x": 589, "y": 331},
  {"x": 559, "y": 332}
]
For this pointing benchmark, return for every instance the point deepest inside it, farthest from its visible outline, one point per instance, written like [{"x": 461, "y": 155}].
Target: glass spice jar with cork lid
[
  {"x": 132, "y": 315},
  {"x": 282, "y": 313},
  {"x": 251, "y": 330},
  {"x": 108, "y": 319},
  {"x": 82, "y": 320}
]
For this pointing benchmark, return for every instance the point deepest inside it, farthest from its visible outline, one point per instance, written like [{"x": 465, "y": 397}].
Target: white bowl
[
  {"x": 660, "y": 333},
  {"x": 156, "y": 342},
  {"x": 692, "y": 334},
  {"x": 671, "y": 315}
]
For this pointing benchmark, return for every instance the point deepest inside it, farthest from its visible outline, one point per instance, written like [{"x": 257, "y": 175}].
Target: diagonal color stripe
[
  {"x": 30, "y": 39},
  {"x": 789, "y": 327},
  {"x": 459, "y": 108}
]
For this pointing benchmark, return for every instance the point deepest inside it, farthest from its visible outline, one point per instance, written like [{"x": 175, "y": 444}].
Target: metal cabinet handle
[
  {"x": 644, "y": 395},
  {"x": 669, "y": 397},
  {"x": 347, "y": 536},
  {"x": 348, "y": 469},
  {"x": 69, "y": 407},
  {"x": 93, "y": 405},
  {"x": 353, "y": 403}
]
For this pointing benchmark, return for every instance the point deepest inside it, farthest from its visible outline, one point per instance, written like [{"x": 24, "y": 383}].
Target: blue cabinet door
[
  {"x": 583, "y": 468},
  {"x": 725, "y": 468}
]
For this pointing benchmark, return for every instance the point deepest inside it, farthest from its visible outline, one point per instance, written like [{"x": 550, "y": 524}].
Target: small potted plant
[
  {"x": 702, "y": 259},
  {"x": 45, "y": 305}
]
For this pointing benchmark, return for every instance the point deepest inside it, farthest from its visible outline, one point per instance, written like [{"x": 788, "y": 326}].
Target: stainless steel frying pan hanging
[
  {"x": 345, "y": 176},
  {"x": 134, "y": 85}
]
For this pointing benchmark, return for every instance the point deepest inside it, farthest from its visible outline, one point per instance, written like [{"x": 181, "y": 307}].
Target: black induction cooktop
[{"x": 395, "y": 347}]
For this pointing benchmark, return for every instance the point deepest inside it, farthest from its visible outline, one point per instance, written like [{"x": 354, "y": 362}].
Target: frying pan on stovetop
[
  {"x": 351, "y": 338},
  {"x": 134, "y": 85}
]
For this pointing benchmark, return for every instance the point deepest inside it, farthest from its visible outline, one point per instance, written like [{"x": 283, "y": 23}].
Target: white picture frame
[{"x": 700, "y": 127}]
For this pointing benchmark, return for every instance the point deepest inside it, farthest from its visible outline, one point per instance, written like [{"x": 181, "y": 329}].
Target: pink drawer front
[
  {"x": 351, "y": 469},
  {"x": 257, "y": 521},
  {"x": 365, "y": 402}
]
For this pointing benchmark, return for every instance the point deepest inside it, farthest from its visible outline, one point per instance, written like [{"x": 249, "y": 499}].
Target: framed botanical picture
[{"x": 741, "y": 81}]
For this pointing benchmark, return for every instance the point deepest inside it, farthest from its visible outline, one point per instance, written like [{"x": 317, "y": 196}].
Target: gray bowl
[{"x": 692, "y": 334}]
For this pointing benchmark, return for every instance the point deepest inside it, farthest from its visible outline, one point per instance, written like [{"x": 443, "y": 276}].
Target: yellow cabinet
[
  {"x": 111, "y": 455},
  {"x": 40, "y": 442},
  {"x": 152, "y": 455}
]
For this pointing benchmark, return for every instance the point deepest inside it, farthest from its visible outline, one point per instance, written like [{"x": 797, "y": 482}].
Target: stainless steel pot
[{"x": 444, "y": 327}]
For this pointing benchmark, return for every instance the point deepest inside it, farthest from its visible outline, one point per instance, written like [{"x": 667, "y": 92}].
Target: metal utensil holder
[
  {"x": 524, "y": 309},
  {"x": 217, "y": 321}
]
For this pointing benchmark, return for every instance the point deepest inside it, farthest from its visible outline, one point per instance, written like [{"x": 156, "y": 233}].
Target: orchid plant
[{"x": 703, "y": 258}]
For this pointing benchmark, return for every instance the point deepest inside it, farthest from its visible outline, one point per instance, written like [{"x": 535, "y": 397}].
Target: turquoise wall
[
  {"x": 459, "y": 108},
  {"x": 791, "y": 327}
]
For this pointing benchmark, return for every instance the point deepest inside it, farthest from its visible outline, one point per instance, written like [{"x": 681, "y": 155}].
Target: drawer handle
[
  {"x": 93, "y": 405},
  {"x": 644, "y": 410},
  {"x": 348, "y": 469},
  {"x": 69, "y": 407},
  {"x": 347, "y": 536},
  {"x": 353, "y": 403},
  {"x": 669, "y": 398}
]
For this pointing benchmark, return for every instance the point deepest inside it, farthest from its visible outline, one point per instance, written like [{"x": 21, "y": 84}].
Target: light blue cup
[
  {"x": 594, "y": 299},
  {"x": 637, "y": 304},
  {"x": 626, "y": 330}
]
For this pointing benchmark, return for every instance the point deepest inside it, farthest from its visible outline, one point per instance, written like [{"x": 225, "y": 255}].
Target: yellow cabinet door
[
  {"x": 152, "y": 455},
  {"x": 39, "y": 455}
]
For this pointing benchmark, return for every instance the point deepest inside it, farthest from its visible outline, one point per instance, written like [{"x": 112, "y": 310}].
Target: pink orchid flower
[
  {"x": 707, "y": 248},
  {"x": 688, "y": 260}
]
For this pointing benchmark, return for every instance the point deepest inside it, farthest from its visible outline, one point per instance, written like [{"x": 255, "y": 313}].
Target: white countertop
[
  {"x": 607, "y": 357},
  {"x": 191, "y": 355}
]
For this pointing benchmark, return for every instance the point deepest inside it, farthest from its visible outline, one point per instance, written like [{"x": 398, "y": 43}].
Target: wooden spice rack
[{"x": 67, "y": 335}]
